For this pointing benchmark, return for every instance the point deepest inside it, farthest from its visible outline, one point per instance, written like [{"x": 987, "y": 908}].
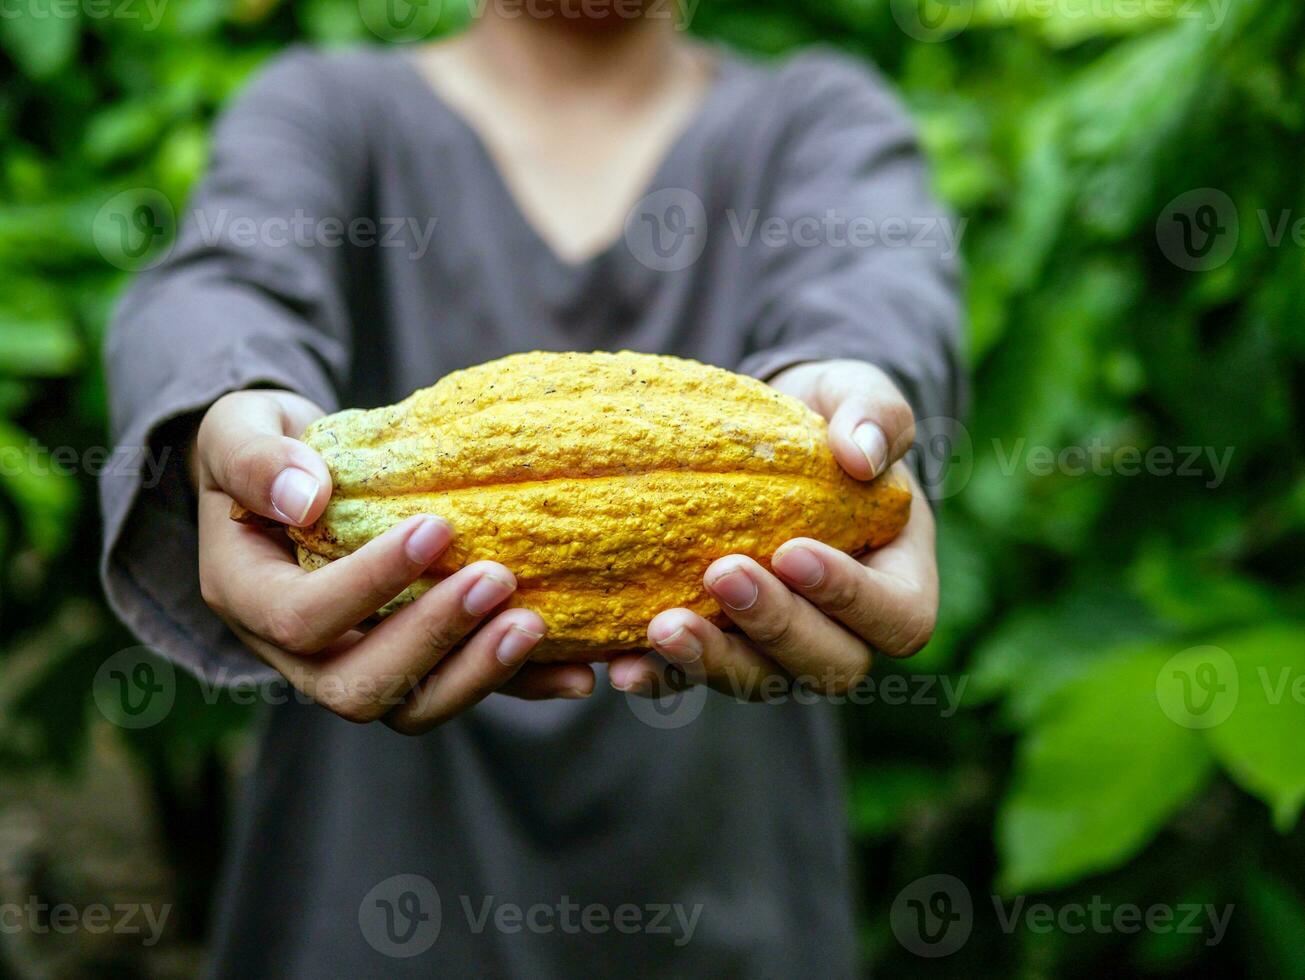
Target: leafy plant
[{"x": 1090, "y": 560}]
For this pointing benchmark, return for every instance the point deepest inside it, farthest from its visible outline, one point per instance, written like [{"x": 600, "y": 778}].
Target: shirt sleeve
[
  {"x": 857, "y": 260},
  {"x": 252, "y": 293}
]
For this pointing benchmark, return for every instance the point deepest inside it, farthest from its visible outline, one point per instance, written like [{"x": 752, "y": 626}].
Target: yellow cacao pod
[{"x": 606, "y": 482}]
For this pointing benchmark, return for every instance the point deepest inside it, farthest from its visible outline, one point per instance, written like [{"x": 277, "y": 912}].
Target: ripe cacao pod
[{"x": 606, "y": 482}]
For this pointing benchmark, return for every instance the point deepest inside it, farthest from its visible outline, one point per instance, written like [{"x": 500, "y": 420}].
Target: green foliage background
[{"x": 1072, "y": 602}]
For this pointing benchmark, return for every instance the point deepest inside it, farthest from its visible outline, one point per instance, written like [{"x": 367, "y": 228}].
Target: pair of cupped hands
[{"x": 817, "y": 618}]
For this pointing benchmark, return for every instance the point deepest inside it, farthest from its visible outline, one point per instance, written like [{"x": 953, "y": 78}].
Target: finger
[
  {"x": 648, "y": 675},
  {"x": 791, "y": 631},
  {"x": 376, "y": 673},
  {"x": 245, "y": 452},
  {"x": 302, "y": 612},
  {"x": 726, "y": 662},
  {"x": 541, "y": 682},
  {"x": 471, "y": 674},
  {"x": 912, "y": 554},
  {"x": 236, "y": 560},
  {"x": 889, "y": 598},
  {"x": 871, "y": 424}
]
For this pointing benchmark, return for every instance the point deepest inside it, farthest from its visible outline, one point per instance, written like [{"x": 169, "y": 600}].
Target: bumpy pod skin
[{"x": 606, "y": 482}]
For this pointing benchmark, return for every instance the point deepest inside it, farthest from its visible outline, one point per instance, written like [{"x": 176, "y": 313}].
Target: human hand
[
  {"x": 410, "y": 671},
  {"x": 819, "y": 616}
]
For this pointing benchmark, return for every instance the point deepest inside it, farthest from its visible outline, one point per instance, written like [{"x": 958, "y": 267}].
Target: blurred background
[{"x": 1099, "y": 763}]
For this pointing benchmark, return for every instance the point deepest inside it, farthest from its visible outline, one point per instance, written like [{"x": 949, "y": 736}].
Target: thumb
[
  {"x": 245, "y": 452},
  {"x": 871, "y": 424}
]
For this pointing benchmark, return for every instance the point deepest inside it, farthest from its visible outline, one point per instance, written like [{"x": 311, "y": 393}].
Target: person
[{"x": 373, "y": 219}]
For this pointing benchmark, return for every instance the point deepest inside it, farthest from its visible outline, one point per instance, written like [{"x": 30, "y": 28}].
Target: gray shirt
[{"x": 353, "y": 241}]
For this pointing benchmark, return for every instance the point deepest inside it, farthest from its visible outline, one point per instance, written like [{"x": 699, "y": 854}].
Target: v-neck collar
[{"x": 529, "y": 233}]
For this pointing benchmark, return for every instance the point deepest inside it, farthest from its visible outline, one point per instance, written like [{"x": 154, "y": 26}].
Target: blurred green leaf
[
  {"x": 123, "y": 131},
  {"x": 14, "y": 395},
  {"x": 50, "y": 235},
  {"x": 1276, "y": 915},
  {"x": 1262, "y": 742},
  {"x": 1100, "y": 771},
  {"x": 1197, "y": 595},
  {"x": 41, "y": 35},
  {"x": 1037, "y": 650},
  {"x": 883, "y": 797},
  {"x": 965, "y": 593},
  {"x": 45, "y": 687},
  {"x": 45, "y": 496},
  {"x": 1073, "y": 21},
  {"x": 37, "y": 336}
]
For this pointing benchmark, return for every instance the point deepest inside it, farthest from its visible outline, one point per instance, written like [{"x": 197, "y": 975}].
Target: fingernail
[
  {"x": 622, "y": 680},
  {"x": 736, "y": 589},
  {"x": 293, "y": 493},
  {"x": 573, "y": 693},
  {"x": 800, "y": 565},
  {"x": 682, "y": 647},
  {"x": 872, "y": 442},
  {"x": 516, "y": 643},
  {"x": 428, "y": 539},
  {"x": 487, "y": 593}
]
